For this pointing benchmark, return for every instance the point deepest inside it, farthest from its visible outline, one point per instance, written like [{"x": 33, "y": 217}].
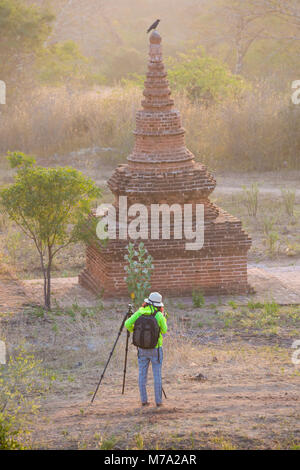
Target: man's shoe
[
  {"x": 146, "y": 404},
  {"x": 159, "y": 404}
]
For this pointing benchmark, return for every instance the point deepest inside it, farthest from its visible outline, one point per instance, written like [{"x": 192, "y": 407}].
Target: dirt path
[
  {"x": 281, "y": 284},
  {"x": 242, "y": 404},
  {"x": 13, "y": 297},
  {"x": 270, "y": 183},
  {"x": 249, "y": 397}
]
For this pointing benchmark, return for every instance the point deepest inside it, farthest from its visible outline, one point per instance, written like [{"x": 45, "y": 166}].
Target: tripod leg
[
  {"x": 110, "y": 355},
  {"x": 125, "y": 362},
  {"x": 164, "y": 392}
]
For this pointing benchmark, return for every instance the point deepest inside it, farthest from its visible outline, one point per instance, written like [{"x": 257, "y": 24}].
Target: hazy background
[{"x": 74, "y": 71}]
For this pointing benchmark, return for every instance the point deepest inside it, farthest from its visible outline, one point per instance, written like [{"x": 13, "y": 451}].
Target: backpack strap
[{"x": 154, "y": 309}]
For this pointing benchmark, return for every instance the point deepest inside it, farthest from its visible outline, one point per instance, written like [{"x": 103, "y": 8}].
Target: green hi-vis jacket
[{"x": 129, "y": 324}]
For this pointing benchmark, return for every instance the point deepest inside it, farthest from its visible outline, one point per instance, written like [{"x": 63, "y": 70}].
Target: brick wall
[{"x": 160, "y": 170}]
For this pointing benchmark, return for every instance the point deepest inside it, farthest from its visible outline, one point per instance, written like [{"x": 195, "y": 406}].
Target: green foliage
[
  {"x": 62, "y": 62},
  {"x": 139, "y": 441},
  {"x": 24, "y": 29},
  {"x": 260, "y": 317},
  {"x": 8, "y": 436},
  {"x": 23, "y": 382},
  {"x": 138, "y": 272},
  {"x": 204, "y": 78},
  {"x": 295, "y": 447},
  {"x": 44, "y": 201},
  {"x": 75, "y": 312},
  {"x": 51, "y": 206},
  {"x": 233, "y": 304},
  {"x": 19, "y": 159},
  {"x": 252, "y": 305},
  {"x": 222, "y": 443},
  {"x": 198, "y": 298},
  {"x": 107, "y": 442}
]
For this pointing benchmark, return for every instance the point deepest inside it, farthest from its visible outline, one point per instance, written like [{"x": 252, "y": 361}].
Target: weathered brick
[{"x": 161, "y": 169}]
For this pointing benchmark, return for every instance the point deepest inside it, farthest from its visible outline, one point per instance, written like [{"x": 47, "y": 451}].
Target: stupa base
[{"x": 212, "y": 275}]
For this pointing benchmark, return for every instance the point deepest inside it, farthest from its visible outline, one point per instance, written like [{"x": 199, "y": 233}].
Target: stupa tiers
[{"x": 160, "y": 170}]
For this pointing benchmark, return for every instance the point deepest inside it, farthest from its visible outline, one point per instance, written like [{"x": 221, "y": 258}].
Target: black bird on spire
[{"x": 153, "y": 26}]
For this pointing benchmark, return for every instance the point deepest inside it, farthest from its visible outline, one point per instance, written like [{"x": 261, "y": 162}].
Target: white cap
[{"x": 155, "y": 299}]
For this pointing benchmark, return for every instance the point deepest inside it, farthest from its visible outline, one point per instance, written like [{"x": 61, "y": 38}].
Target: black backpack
[{"x": 146, "y": 332}]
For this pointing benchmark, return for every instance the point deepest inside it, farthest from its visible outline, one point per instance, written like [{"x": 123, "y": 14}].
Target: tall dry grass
[
  {"x": 260, "y": 132},
  {"x": 59, "y": 121}
]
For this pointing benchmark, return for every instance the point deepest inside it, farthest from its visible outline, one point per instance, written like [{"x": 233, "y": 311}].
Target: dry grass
[
  {"x": 59, "y": 121},
  {"x": 260, "y": 132},
  {"x": 248, "y": 400},
  {"x": 271, "y": 218}
]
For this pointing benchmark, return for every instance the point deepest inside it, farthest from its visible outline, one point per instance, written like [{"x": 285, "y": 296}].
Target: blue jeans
[{"x": 156, "y": 357}]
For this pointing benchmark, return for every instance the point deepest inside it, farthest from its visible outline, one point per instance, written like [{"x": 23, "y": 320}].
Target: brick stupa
[{"x": 160, "y": 170}]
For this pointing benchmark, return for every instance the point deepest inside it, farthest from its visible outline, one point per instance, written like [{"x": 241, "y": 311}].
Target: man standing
[{"x": 148, "y": 324}]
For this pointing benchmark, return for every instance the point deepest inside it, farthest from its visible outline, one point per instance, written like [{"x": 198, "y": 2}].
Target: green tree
[
  {"x": 252, "y": 36},
  {"x": 62, "y": 62},
  {"x": 24, "y": 29},
  {"x": 204, "y": 77},
  {"x": 51, "y": 206}
]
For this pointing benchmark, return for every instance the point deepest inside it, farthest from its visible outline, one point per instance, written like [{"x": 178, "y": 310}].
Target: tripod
[
  {"x": 111, "y": 353},
  {"x": 127, "y": 315}
]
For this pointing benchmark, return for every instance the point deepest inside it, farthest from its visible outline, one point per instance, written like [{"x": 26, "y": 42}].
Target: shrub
[
  {"x": 203, "y": 77},
  {"x": 198, "y": 298},
  {"x": 23, "y": 382},
  {"x": 138, "y": 272}
]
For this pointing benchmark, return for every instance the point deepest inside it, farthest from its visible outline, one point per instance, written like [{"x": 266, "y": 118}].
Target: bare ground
[
  {"x": 248, "y": 397},
  {"x": 281, "y": 284},
  {"x": 242, "y": 403}
]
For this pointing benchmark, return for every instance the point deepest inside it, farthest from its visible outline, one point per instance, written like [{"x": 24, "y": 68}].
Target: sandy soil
[
  {"x": 270, "y": 282},
  {"x": 242, "y": 404},
  {"x": 269, "y": 182},
  {"x": 248, "y": 396}
]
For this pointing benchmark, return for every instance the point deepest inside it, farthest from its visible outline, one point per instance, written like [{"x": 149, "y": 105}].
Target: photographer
[{"x": 148, "y": 324}]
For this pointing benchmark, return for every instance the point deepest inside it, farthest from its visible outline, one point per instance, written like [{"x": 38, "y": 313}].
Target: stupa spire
[
  {"x": 157, "y": 92},
  {"x": 159, "y": 135},
  {"x": 161, "y": 171}
]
